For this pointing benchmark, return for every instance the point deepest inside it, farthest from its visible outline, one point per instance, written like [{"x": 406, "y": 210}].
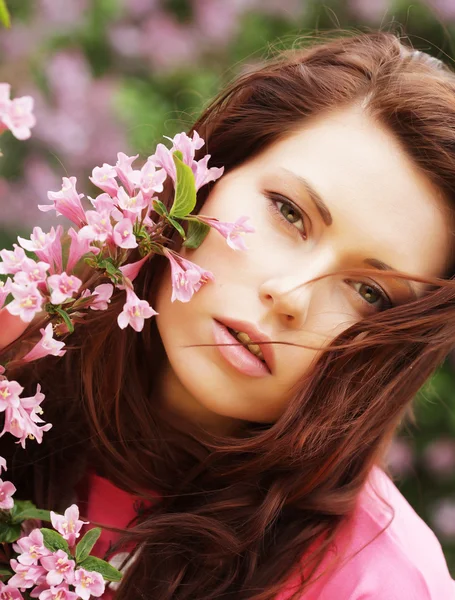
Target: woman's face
[{"x": 378, "y": 206}]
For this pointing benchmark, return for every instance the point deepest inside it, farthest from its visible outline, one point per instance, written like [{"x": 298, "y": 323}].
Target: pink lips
[{"x": 238, "y": 356}]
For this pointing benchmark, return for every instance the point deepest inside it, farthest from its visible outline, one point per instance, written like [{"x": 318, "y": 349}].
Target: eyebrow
[
  {"x": 326, "y": 215},
  {"x": 322, "y": 207}
]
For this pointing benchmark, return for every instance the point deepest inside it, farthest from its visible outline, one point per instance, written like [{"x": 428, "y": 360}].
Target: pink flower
[
  {"x": 88, "y": 583},
  {"x": 131, "y": 270},
  {"x": 163, "y": 158},
  {"x": 187, "y": 277},
  {"x": 22, "y": 424},
  {"x": 231, "y": 231},
  {"x": 60, "y": 592},
  {"x": 104, "y": 178},
  {"x": 186, "y": 145},
  {"x": 8, "y": 592},
  {"x": 134, "y": 312},
  {"x": 32, "y": 272},
  {"x": 32, "y": 548},
  {"x": 12, "y": 260},
  {"x": 7, "y": 489},
  {"x": 4, "y": 291},
  {"x": 9, "y": 394},
  {"x": 59, "y": 568},
  {"x": 2, "y": 464},
  {"x": 131, "y": 203},
  {"x": 123, "y": 234},
  {"x": 18, "y": 117},
  {"x": 125, "y": 170},
  {"x": 103, "y": 293},
  {"x": 26, "y": 575},
  {"x": 27, "y": 301},
  {"x": 202, "y": 174},
  {"x": 99, "y": 226},
  {"x": 67, "y": 202},
  {"x": 103, "y": 203},
  {"x": 63, "y": 287},
  {"x": 46, "y": 246},
  {"x": 47, "y": 345},
  {"x": 78, "y": 248},
  {"x": 69, "y": 524},
  {"x": 151, "y": 180}
]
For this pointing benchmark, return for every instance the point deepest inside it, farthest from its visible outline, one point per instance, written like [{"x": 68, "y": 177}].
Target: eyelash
[{"x": 275, "y": 199}]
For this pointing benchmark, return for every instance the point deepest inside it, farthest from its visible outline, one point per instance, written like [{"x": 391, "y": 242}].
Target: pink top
[{"x": 403, "y": 563}]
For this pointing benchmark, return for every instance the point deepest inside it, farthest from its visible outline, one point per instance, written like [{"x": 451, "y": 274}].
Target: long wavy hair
[{"x": 237, "y": 515}]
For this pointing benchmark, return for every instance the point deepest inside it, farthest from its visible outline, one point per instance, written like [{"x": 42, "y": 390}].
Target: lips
[{"x": 256, "y": 337}]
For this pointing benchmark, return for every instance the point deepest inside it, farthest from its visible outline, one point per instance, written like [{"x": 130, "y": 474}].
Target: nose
[{"x": 289, "y": 295}]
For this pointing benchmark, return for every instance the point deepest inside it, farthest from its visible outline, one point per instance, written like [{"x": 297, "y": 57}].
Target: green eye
[{"x": 372, "y": 294}]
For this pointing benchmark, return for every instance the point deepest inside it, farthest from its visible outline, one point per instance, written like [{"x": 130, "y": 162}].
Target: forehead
[{"x": 382, "y": 204}]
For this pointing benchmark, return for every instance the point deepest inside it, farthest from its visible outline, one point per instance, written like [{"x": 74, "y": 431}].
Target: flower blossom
[
  {"x": 27, "y": 301},
  {"x": 4, "y": 291},
  {"x": 9, "y": 394},
  {"x": 60, "y": 592},
  {"x": 32, "y": 272},
  {"x": 17, "y": 114},
  {"x": 124, "y": 170},
  {"x": 23, "y": 421},
  {"x": 63, "y": 287},
  {"x": 131, "y": 270},
  {"x": 26, "y": 575},
  {"x": 78, "y": 247},
  {"x": 7, "y": 490},
  {"x": 2, "y": 464},
  {"x": 187, "y": 277},
  {"x": 69, "y": 524},
  {"x": 31, "y": 548},
  {"x": 88, "y": 583},
  {"x": 46, "y": 246},
  {"x": 8, "y": 592},
  {"x": 134, "y": 312},
  {"x": 187, "y": 146},
  {"x": 47, "y": 345},
  {"x": 123, "y": 234},
  {"x": 99, "y": 226},
  {"x": 59, "y": 567},
  {"x": 12, "y": 260},
  {"x": 67, "y": 202},
  {"x": 104, "y": 178},
  {"x": 231, "y": 231}
]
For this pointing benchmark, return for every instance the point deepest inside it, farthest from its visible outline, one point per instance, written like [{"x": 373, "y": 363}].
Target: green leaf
[
  {"x": 65, "y": 316},
  {"x": 54, "y": 541},
  {"x": 109, "y": 572},
  {"x": 197, "y": 232},
  {"x": 160, "y": 208},
  {"x": 4, "y": 14},
  {"x": 185, "y": 189},
  {"x": 9, "y": 532},
  {"x": 86, "y": 544},
  {"x": 177, "y": 225},
  {"x": 5, "y": 573},
  {"x": 24, "y": 509}
]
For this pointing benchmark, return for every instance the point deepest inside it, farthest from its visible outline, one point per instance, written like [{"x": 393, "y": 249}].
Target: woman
[{"x": 257, "y": 477}]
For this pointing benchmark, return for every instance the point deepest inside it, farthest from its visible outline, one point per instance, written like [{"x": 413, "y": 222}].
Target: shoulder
[
  {"x": 386, "y": 552},
  {"x": 394, "y": 552}
]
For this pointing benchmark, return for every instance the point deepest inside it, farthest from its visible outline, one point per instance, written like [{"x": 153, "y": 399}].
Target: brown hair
[{"x": 238, "y": 514}]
